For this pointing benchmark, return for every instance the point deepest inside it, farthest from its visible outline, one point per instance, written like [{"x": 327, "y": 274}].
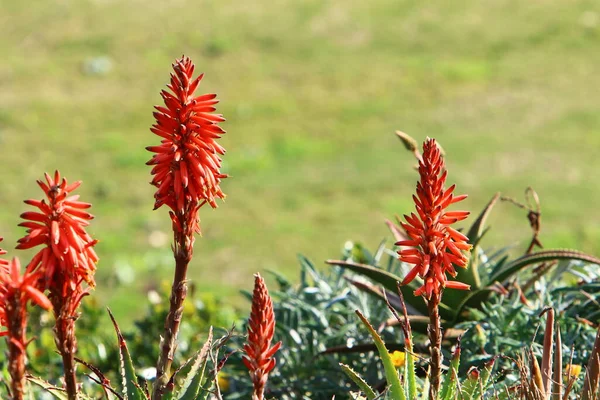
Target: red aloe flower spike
[
  {"x": 436, "y": 247},
  {"x": 68, "y": 254},
  {"x": 187, "y": 163},
  {"x": 65, "y": 262},
  {"x": 15, "y": 291},
  {"x": 186, "y": 171},
  {"x": 261, "y": 326}
]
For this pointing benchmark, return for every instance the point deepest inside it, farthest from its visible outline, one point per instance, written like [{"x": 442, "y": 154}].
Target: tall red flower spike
[
  {"x": 261, "y": 326},
  {"x": 186, "y": 172},
  {"x": 15, "y": 291},
  {"x": 65, "y": 262},
  {"x": 436, "y": 247},
  {"x": 67, "y": 256},
  {"x": 187, "y": 163}
]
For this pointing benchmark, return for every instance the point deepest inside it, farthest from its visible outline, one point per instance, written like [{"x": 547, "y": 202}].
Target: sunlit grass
[{"x": 312, "y": 92}]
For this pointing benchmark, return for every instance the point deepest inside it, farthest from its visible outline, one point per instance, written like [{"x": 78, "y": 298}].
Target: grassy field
[{"x": 312, "y": 91}]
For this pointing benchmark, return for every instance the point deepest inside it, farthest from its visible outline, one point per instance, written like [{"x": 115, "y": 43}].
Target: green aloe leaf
[
  {"x": 131, "y": 388},
  {"x": 451, "y": 378},
  {"x": 474, "y": 299},
  {"x": 391, "y": 374},
  {"x": 409, "y": 365},
  {"x": 360, "y": 382},
  {"x": 389, "y": 281},
  {"x": 477, "y": 230},
  {"x": 56, "y": 392},
  {"x": 482, "y": 387},
  {"x": 193, "y": 381},
  {"x": 511, "y": 268}
]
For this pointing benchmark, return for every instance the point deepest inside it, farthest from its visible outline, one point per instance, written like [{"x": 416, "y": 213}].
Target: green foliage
[
  {"x": 396, "y": 391},
  {"x": 96, "y": 346},
  {"x": 448, "y": 67},
  {"x": 131, "y": 388},
  {"x": 402, "y": 385},
  {"x": 359, "y": 381},
  {"x": 200, "y": 312},
  {"x": 487, "y": 272},
  {"x": 507, "y": 322},
  {"x": 315, "y": 317}
]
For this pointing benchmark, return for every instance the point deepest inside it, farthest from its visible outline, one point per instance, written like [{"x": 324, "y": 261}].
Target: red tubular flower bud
[{"x": 261, "y": 327}]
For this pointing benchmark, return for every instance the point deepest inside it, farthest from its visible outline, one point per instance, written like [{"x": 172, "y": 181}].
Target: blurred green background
[{"x": 312, "y": 91}]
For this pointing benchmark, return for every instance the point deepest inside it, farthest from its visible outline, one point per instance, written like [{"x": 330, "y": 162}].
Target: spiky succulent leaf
[
  {"x": 131, "y": 388},
  {"x": 384, "y": 278},
  {"x": 451, "y": 378},
  {"x": 193, "y": 381},
  {"x": 513, "y": 267},
  {"x": 391, "y": 374},
  {"x": 360, "y": 382},
  {"x": 486, "y": 373},
  {"x": 409, "y": 370},
  {"x": 56, "y": 392}
]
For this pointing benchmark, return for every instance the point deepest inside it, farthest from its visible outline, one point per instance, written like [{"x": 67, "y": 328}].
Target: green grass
[{"x": 312, "y": 91}]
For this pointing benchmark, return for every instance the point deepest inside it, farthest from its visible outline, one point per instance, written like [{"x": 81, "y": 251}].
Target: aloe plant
[{"x": 487, "y": 272}]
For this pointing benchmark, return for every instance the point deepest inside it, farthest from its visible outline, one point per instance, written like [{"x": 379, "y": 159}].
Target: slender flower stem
[
  {"x": 67, "y": 345},
  {"x": 64, "y": 335},
  {"x": 435, "y": 339},
  {"x": 16, "y": 351},
  {"x": 183, "y": 251},
  {"x": 66, "y": 261},
  {"x": 16, "y": 291},
  {"x": 186, "y": 172}
]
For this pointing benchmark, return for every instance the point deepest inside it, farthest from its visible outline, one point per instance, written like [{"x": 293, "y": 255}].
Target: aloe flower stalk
[
  {"x": 261, "y": 326},
  {"x": 434, "y": 247},
  {"x": 16, "y": 290},
  {"x": 65, "y": 263},
  {"x": 186, "y": 172}
]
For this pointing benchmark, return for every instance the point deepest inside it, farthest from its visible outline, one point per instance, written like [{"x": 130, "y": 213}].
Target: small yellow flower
[
  {"x": 572, "y": 370},
  {"x": 223, "y": 381},
  {"x": 398, "y": 358}
]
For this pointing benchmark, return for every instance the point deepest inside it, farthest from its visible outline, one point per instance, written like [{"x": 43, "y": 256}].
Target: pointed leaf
[
  {"x": 409, "y": 365},
  {"x": 515, "y": 266},
  {"x": 56, "y": 392},
  {"x": 387, "y": 279},
  {"x": 471, "y": 275},
  {"x": 548, "y": 352},
  {"x": 451, "y": 378},
  {"x": 484, "y": 379},
  {"x": 378, "y": 292},
  {"x": 131, "y": 388},
  {"x": 193, "y": 381},
  {"x": 391, "y": 374},
  {"x": 360, "y": 382},
  {"x": 475, "y": 299},
  {"x": 557, "y": 383},
  {"x": 592, "y": 373}
]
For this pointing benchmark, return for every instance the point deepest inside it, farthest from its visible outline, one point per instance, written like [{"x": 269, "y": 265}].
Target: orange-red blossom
[
  {"x": 435, "y": 247},
  {"x": 187, "y": 162},
  {"x": 67, "y": 256}
]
